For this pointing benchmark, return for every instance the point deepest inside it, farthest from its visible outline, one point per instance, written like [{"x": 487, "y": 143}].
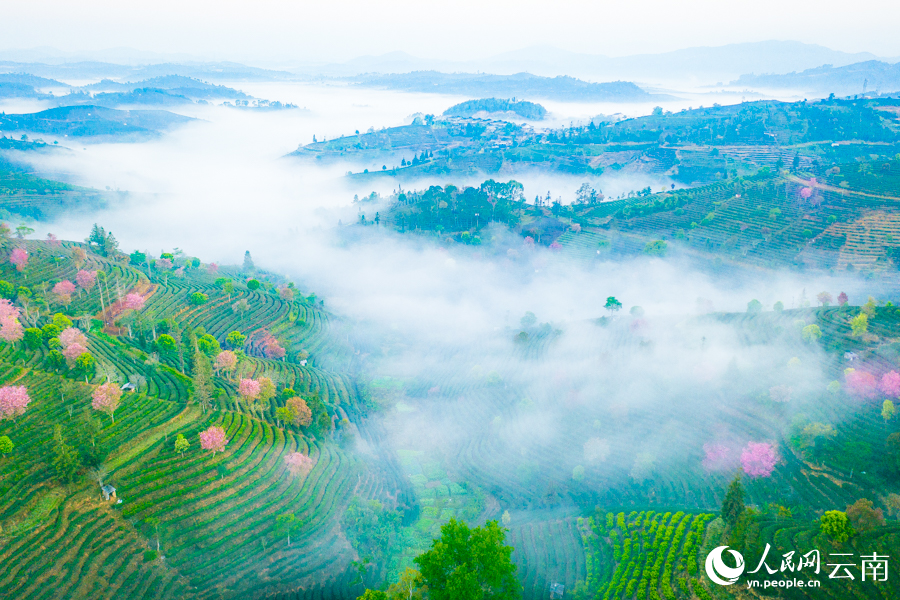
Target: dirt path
[{"x": 839, "y": 190}]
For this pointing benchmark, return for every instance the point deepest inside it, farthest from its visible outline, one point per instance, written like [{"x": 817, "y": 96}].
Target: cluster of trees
[
  {"x": 462, "y": 564},
  {"x": 860, "y": 517},
  {"x": 450, "y": 209}
]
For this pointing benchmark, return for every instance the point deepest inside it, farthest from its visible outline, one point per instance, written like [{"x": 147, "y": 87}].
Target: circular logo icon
[{"x": 721, "y": 573}]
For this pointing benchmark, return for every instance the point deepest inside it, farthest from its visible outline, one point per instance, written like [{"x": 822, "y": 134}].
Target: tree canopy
[{"x": 469, "y": 564}]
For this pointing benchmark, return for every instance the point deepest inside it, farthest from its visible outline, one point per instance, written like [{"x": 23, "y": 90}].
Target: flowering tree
[
  {"x": 53, "y": 241},
  {"x": 861, "y": 384},
  {"x": 86, "y": 279},
  {"x": 529, "y": 242},
  {"x": 106, "y": 399},
  {"x": 298, "y": 463},
  {"x": 212, "y": 268},
  {"x": 286, "y": 293},
  {"x": 19, "y": 257},
  {"x": 717, "y": 457},
  {"x": 271, "y": 347},
  {"x": 824, "y": 298},
  {"x": 226, "y": 361},
  {"x": 213, "y": 439},
  {"x": 10, "y": 327},
  {"x": 14, "y": 400},
  {"x": 64, "y": 290},
  {"x": 842, "y": 299},
  {"x": 133, "y": 302},
  {"x": 72, "y": 352},
  {"x": 890, "y": 384},
  {"x": 556, "y": 246},
  {"x": 72, "y": 335},
  {"x": 805, "y": 193},
  {"x": 300, "y": 412},
  {"x": 248, "y": 389},
  {"x": 758, "y": 459}
]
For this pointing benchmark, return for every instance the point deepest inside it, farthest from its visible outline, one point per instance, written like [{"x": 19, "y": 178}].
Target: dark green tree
[
  {"x": 33, "y": 338},
  {"x": 97, "y": 238},
  {"x": 733, "y": 505},
  {"x": 202, "y": 392},
  {"x": 55, "y": 360},
  {"x": 469, "y": 564},
  {"x": 612, "y": 305},
  {"x": 65, "y": 459}
]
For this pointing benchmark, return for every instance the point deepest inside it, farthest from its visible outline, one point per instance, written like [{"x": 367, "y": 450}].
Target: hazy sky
[{"x": 293, "y": 31}]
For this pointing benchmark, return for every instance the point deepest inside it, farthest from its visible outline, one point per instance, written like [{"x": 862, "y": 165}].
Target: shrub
[{"x": 198, "y": 298}]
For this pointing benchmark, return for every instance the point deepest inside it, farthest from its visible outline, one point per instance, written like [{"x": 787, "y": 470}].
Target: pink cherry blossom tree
[
  {"x": 14, "y": 400},
  {"x": 842, "y": 299},
  {"x": 890, "y": 384},
  {"x": 213, "y": 439},
  {"x": 270, "y": 346},
  {"x": 758, "y": 459},
  {"x": 212, "y": 268},
  {"x": 106, "y": 398},
  {"x": 555, "y": 246},
  {"x": 8, "y": 309},
  {"x": 806, "y": 193},
  {"x": 19, "y": 257},
  {"x": 53, "y": 241},
  {"x": 64, "y": 290},
  {"x": 86, "y": 279},
  {"x": 72, "y": 335},
  {"x": 226, "y": 361},
  {"x": 249, "y": 389},
  {"x": 718, "y": 457},
  {"x": 861, "y": 384},
  {"x": 10, "y": 327},
  {"x": 298, "y": 463},
  {"x": 72, "y": 352},
  {"x": 133, "y": 302}
]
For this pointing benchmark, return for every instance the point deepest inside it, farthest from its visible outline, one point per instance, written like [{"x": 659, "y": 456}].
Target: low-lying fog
[{"x": 220, "y": 186}]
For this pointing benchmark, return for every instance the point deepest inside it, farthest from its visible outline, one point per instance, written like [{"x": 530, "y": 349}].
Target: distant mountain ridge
[
  {"x": 92, "y": 121},
  {"x": 868, "y": 76},
  {"x": 88, "y": 70},
  {"x": 518, "y": 85},
  {"x": 707, "y": 64}
]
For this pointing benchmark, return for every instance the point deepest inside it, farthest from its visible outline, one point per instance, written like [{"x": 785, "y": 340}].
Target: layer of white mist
[{"x": 220, "y": 186}]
